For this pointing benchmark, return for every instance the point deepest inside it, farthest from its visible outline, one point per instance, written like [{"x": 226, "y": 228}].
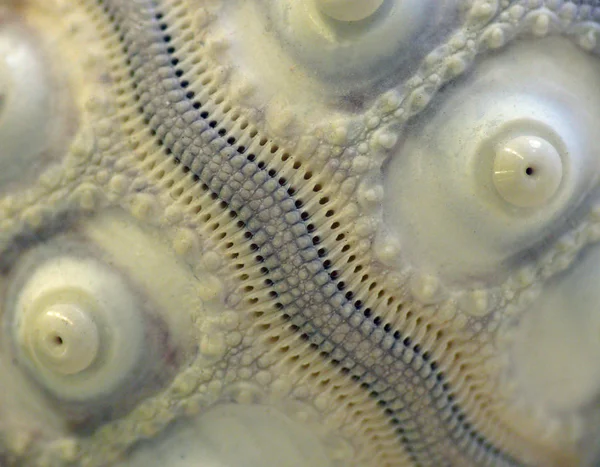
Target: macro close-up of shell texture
[{"x": 299, "y": 233}]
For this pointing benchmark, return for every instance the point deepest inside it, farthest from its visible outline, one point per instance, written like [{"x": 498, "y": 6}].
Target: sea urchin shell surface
[{"x": 282, "y": 233}]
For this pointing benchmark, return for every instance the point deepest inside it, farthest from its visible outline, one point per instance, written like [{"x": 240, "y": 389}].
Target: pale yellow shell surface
[{"x": 284, "y": 233}]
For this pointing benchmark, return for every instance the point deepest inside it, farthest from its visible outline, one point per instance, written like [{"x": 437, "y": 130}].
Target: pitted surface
[{"x": 281, "y": 239}]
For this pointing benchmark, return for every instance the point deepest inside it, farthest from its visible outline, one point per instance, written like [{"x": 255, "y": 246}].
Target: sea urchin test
[{"x": 317, "y": 233}]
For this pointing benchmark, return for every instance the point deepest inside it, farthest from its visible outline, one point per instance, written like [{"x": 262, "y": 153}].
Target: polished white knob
[
  {"x": 527, "y": 171},
  {"x": 64, "y": 338},
  {"x": 78, "y": 327}
]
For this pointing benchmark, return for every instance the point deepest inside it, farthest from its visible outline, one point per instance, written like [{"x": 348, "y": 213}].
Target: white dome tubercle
[
  {"x": 316, "y": 61},
  {"x": 527, "y": 170},
  {"x": 91, "y": 316},
  {"x": 78, "y": 327},
  {"x": 64, "y": 337},
  {"x": 497, "y": 161}
]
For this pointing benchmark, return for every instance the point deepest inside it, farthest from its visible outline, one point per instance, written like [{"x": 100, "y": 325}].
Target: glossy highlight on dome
[{"x": 278, "y": 233}]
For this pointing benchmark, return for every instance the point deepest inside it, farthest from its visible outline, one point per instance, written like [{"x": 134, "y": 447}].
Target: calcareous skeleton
[{"x": 299, "y": 233}]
